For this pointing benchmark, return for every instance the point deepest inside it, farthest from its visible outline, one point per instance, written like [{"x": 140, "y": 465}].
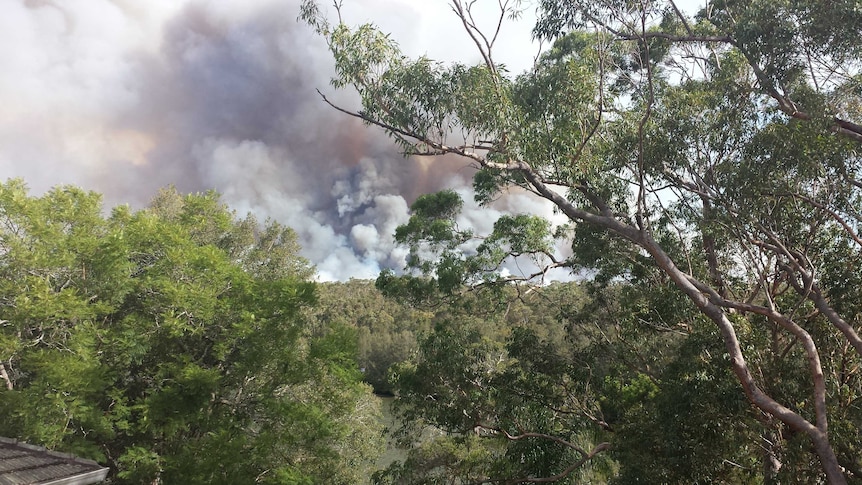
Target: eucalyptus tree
[{"x": 721, "y": 149}]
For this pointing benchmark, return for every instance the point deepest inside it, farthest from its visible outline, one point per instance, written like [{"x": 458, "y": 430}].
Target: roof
[{"x": 22, "y": 464}]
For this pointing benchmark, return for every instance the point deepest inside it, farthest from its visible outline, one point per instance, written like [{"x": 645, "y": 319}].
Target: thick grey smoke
[{"x": 124, "y": 98}]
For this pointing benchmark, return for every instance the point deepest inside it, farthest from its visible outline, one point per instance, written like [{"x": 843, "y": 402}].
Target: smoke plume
[{"x": 124, "y": 97}]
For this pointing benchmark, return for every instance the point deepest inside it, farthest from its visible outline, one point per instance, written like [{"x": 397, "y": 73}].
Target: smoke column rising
[{"x": 124, "y": 99}]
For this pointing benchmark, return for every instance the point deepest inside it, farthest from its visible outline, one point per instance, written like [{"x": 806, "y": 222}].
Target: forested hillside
[
  {"x": 587, "y": 382},
  {"x": 386, "y": 330}
]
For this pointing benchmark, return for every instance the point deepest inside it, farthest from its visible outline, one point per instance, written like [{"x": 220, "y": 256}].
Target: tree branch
[
  {"x": 788, "y": 324},
  {"x": 677, "y": 38},
  {"x": 472, "y": 31}
]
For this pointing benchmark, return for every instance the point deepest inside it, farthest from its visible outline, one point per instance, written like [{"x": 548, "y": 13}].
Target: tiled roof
[{"x": 22, "y": 464}]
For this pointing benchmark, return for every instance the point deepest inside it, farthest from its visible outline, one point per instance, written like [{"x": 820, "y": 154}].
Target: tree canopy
[
  {"x": 387, "y": 330},
  {"x": 711, "y": 159},
  {"x": 169, "y": 343}
]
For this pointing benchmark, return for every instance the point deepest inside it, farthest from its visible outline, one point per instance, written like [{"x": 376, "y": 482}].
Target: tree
[
  {"x": 169, "y": 343},
  {"x": 503, "y": 405},
  {"x": 386, "y": 329},
  {"x": 717, "y": 155}
]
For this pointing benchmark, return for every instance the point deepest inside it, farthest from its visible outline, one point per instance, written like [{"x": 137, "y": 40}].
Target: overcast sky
[{"x": 126, "y": 96}]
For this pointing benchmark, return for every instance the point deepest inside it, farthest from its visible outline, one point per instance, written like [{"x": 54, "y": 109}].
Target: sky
[{"x": 125, "y": 97}]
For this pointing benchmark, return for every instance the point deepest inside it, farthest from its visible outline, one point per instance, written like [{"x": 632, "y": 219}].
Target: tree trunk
[{"x": 5, "y": 377}]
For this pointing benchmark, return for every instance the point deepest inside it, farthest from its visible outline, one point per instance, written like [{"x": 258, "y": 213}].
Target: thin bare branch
[{"x": 474, "y": 33}]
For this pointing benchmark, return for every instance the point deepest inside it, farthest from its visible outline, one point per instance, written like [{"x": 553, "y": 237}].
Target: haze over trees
[{"x": 709, "y": 167}]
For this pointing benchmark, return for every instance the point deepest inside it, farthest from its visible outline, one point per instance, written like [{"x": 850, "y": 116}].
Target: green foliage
[
  {"x": 711, "y": 173},
  {"x": 433, "y": 225},
  {"x": 456, "y": 258},
  {"x": 507, "y": 371},
  {"x": 665, "y": 423},
  {"x": 386, "y": 330},
  {"x": 169, "y": 343}
]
